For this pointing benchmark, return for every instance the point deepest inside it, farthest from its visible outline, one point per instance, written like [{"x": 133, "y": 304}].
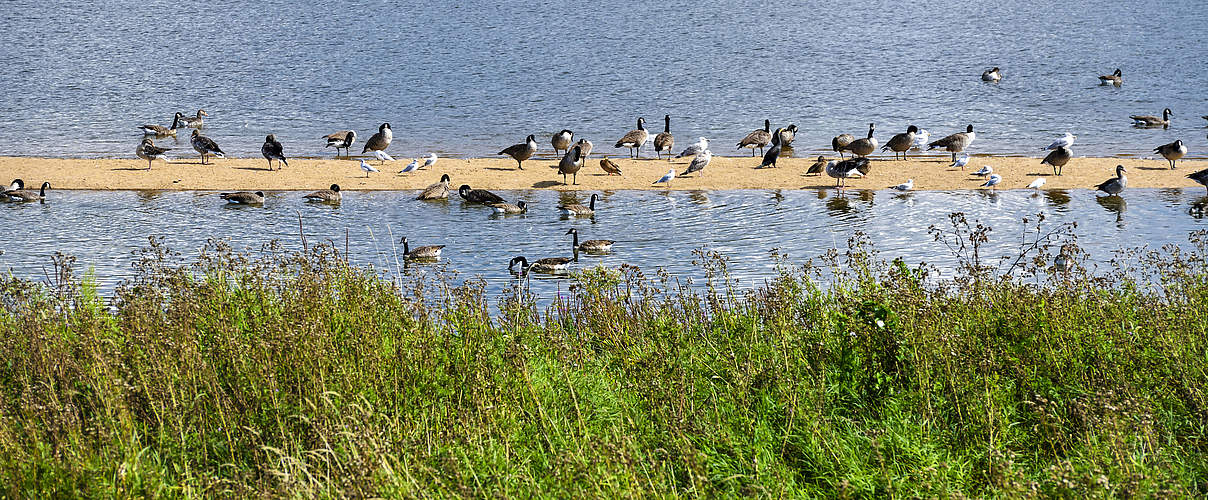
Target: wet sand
[{"x": 930, "y": 173}]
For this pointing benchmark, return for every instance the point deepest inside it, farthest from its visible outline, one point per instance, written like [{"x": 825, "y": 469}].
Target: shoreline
[{"x": 930, "y": 173}]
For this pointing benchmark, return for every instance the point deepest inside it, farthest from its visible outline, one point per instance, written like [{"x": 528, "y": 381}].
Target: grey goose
[
  {"x": 1116, "y": 184},
  {"x": 561, "y": 140},
  {"x": 243, "y": 197},
  {"x": 955, "y": 143},
  {"x": 901, "y": 143},
  {"x": 478, "y": 195},
  {"x": 26, "y": 194},
  {"x": 522, "y": 151},
  {"x": 589, "y": 246},
  {"x": 147, "y": 150},
  {"x": 438, "y": 191},
  {"x": 609, "y": 167},
  {"x": 272, "y": 150},
  {"x": 430, "y": 252},
  {"x": 1172, "y": 152},
  {"x": 570, "y": 164},
  {"x": 195, "y": 121},
  {"x": 634, "y": 139},
  {"x": 340, "y": 140},
  {"x": 546, "y": 265},
  {"x": 865, "y": 145},
  {"x": 329, "y": 195},
  {"x": 699, "y": 163},
  {"x": 1116, "y": 78},
  {"x": 379, "y": 141},
  {"x": 758, "y": 138},
  {"x": 205, "y": 146},
  {"x": 1201, "y": 177},
  {"x": 577, "y": 209},
  {"x": 851, "y": 167},
  {"x": 664, "y": 141},
  {"x": 162, "y": 131},
  {"x": 1152, "y": 121},
  {"x": 519, "y": 207},
  {"x": 1057, "y": 158}
]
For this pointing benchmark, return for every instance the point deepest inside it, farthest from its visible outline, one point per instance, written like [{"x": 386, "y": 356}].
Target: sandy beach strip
[{"x": 929, "y": 173}]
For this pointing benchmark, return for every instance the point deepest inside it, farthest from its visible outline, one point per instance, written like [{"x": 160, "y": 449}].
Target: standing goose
[
  {"x": 570, "y": 164},
  {"x": 699, "y": 163},
  {"x": 546, "y": 265},
  {"x": 272, "y": 150},
  {"x": 758, "y": 138},
  {"x": 329, "y": 195},
  {"x": 991, "y": 75},
  {"x": 26, "y": 194},
  {"x": 438, "y": 191},
  {"x": 634, "y": 139},
  {"x": 695, "y": 148},
  {"x": 244, "y": 198},
  {"x": 788, "y": 135},
  {"x": 589, "y": 246},
  {"x": 610, "y": 167},
  {"x": 195, "y": 121},
  {"x": 519, "y": 207},
  {"x": 1200, "y": 177},
  {"x": 147, "y": 150},
  {"x": 1172, "y": 152},
  {"x": 584, "y": 150},
  {"x": 901, "y": 143},
  {"x": 430, "y": 252},
  {"x": 1066, "y": 140},
  {"x": 1116, "y": 184},
  {"x": 840, "y": 171},
  {"x": 864, "y": 146},
  {"x": 162, "y": 131},
  {"x": 664, "y": 141},
  {"x": 561, "y": 140},
  {"x": 205, "y": 146},
  {"x": 341, "y": 140},
  {"x": 478, "y": 195},
  {"x": 1152, "y": 121},
  {"x": 522, "y": 151},
  {"x": 1058, "y": 158},
  {"x": 379, "y": 141},
  {"x": 1115, "y": 78},
  {"x": 817, "y": 167},
  {"x": 839, "y": 143},
  {"x": 577, "y": 209},
  {"x": 955, "y": 143},
  {"x": 773, "y": 154}
]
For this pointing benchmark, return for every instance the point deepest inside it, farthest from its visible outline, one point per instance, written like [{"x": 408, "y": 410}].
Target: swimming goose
[
  {"x": 1115, "y": 78},
  {"x": 1172, "y": 152},
  {"x": 788, "y": 135},
  {"x": 243, "y": 198},
  {"x": 26, "y": 194},
  {"x": 509, "y": 208},
  {"x": 438, "y": 191},
  {"x": 901, "y": 143},
  {"x": 1116, "y": 184},
  {"x": 1036, "y": 184},
  {"x": 546, "y": 265},
  {"x": 634, "y": 139},
  {"x": 577, "y": 209},
  {"x": 1152, "y": 121},
  {"x": 817, "y": 167},
  {"x": 410, "y": 166},
  {"x": 17, "y": 185},
  {"x": 840, "y": 171},
  {"x": 478, "y": 195},
  {"x": 610, "y": 167},
  {"x": 955, "y": 143},
  {"x": 205, "y": 146},
  {"x": 863, "y": 146},
  {"x": 561, "y": 140},
  {"x": 147, "y": 150},
  {"x": 695, "y": 148},
  {"x": 905, "y": 186},
  {"x": 984, "y": 171},
  {"x": 429, "y": 252},
  {"x": 522, "y": 151},
  {"x": 162, "y": 131},
  {"x": 773, "y": 154},
  {"x": 1066, "y": 140},
  {"x": 991, "y": 75},
  {"x": 960, "y": 162},
  {"x": 430, "y": 161},
  {"x": 992, "y": 181},
  {"x": 589, "y": 246},
  {"x": 382, "y": 157},
  {"x": 368, "y": 168},
  {"x": 570, "y": 164},
  {"x": 758, "y": 138},
  {"x": 839, "y": 142},
  {"x": 379, "y": 141},
  {"x": 666, "y": 178},
  {"x": 272, "y": 150},
  {"x": 1200, "y": 177},
  {"x": 329, "y": 195},
  {"x": 341, "y": 140},
  {"x": 699, "y": 163},
  {"x": 1058, "y": 158},
  {"x": 920, "y": 139},
  {"x": 663, "y": 142},
  {"x": 195, "y": 121}
]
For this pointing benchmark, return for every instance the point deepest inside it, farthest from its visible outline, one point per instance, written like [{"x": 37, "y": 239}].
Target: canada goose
[
  {"x": 773, "y": 153},
  {"x": 430, "y": 161},
  {"x": 666, "y": 178},
  {"x": 16, "y": 185},
  {"x": 438, "y": 191},
  {"x": 1058, "y": 158},
  {"x": 992, "y": 181},
  {"x": 368, "y": 168},
  {"x": 840, "y": 171},
  {"x": 585, "y": 147},
  {"x": 663, "y": 142},
  {"x": 561, "y": 140},
  {"x": 1116, "y": 184},
  {"x": 610, "y": 167},
  {"x": 1200, "y": 177},
  {"x": 577, "y": 209},
  {"x": 379, "y": 141},
  {"x": 272, "y": 150},
  {"x": 510, "y": 208},
  {"x": 699, "y": 163},
  {"x": 839, "y": 142},
  {"x": 522, "y": 151},
  {"x": 341, "y": 140},
  {"x": 162, "y": 131},
  {"x": 901, "y": 143},
  {"x": 817, "y": 167},
  {"x": 634, "y": 139},
  {"x": 984, "y": 171},
  {"x": 1172, "y": 152},
  {"x": 589, "y": 246},
  {"x": 26, "y": 194},
  {"x": 905, "y": 186},
  {"x": 920, "y": 139},
  {"x": 205, "y": 146},
  {"x": 195, "y": 121},
  {"x": 864, "y": 146},
  {"x": 955, "y": 143},
  {"x": 329, "y": 195},
  {"x": 429, "y": 252},
  {"x": 546, "y": 265},
  {"x": 1115, "y": 78},
  {"x": 960, "y": 162},
  {"x": 758, "y": 138},
  {"x": 788, "y": 135},
  {"x": 478, "y": 195},
  {"x": 1066, "y": 140},
  {"x": 147, "y": 150},
  {"x": 1152, "y": 121},
  {"x": 570, "y": 164},
  {"x": 382, "y": 157},
  {"x": 243, "y": 198},
  {"x": 1036, "y": 184},
  {"x": 991, "y": 75}
]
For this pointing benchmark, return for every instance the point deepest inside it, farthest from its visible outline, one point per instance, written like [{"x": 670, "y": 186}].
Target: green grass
[{"x": 286, "y": 374}]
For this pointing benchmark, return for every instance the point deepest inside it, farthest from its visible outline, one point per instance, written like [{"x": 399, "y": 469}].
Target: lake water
[{"x": 469, "y": 79}]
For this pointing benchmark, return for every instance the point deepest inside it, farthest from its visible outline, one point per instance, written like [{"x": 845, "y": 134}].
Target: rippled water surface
[{"x": 469, "y": 78}]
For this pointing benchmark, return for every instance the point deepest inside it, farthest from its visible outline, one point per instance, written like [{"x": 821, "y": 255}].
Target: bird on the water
[
  {"x": 1115, "y": 185},
  {"x": 438, "y": 191}
]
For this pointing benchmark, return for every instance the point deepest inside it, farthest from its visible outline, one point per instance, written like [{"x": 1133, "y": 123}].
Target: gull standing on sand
[
  {"x": 634, "y": 139},
  {"x": 272, "y": 150},
  {"x": 341, "y": 140},
  {"x": 1116, "y": 184},
  {"x": 1064, "y": 141},
  {"x": 695, "y": 148},
  {"x": 205, "y": 146},
  {"x": 147, "y": 150},
  {"x": 367, "y": 168},
  {"x": 430, "y": 161},
  {"x": 984, "y": 171},
  {"x": 993, "y": 181},
  {"x": 960, "y": 162},
  {"x": 382, "y": 156},
  {"x": 1036, "y": 184},
  {"x": 410, "y": 166},
  {"x": 379, "y": 141},
  {"x": 699, "y": 163},
  {"x": 666, "y": 178},
  {"x": 905, "y": 186}
]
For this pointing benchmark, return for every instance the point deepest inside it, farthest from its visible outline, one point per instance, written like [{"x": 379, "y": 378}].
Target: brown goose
[
  {"x": 205, "y": 146},
  {"x": 438, "y": 191},
  {"x": 758, "y": 138},
  {"x": 570, "y": 164},
  {"x": 863, "y": 146},
  {"x": 955, "y": 143},
  {"x": 1057, "y": 158},
  {"x": 162, "y": 131},
  {"x": 546, "y": 265},
  {"x": 1115, "y": 78},
  {"x": 17, "y": 185},
  {"x": 1200, "y": 177},
  {"x": 147, "y": 150},
  {"x": 901, "y": 143},
  {"x": 577, "y": 209},
  {"x": 839, "y": 143},
  {"x": 584, "y": 150},
  {"x": 1152, "y": 121},
  {"x": 340, "y": 140},
  {"x": 195, "y": 121},
  {"x": 1172, "y": 152},
  {"x": 243, "y": 198},
  {"x": 589, "y": 246},
  {"x": 430, "y": 252},
  {"x": 27, "y": 194},
  {"x": 664, "y": 141},
  {"x": 787, "y": 135},
  {"x": 1116, "y": 184},
  {"x": 519, "y": 207},
  {"x": 329, "y": 195},
  {"x": 610, "y": 167},
  {"x": 272, "y": 150},
  {"x": 634, "y": 139},
  {"x": 817, "y": 167},
  {"x": 379, "y": 141},
  {"x": 561, "y": 140},
  {"x": 522, "y": 151}
]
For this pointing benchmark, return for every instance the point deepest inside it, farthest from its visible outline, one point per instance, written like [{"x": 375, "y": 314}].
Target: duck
[
  {"x": 699, "y": 163},
  {"x": 992, "y": 181},
  {"x": 340, "y": 140},
  {"x": 195, "y": 121},
  {"x": 379, "y": 141},
  {"x": 609, "y": 167},
  {"x": 147, "y": 150},
  {"x": 22, "y": 194},
  {"x": 272, "y": 150},
  {"x": 577, "y": 209},
  {"x": 438, "y": 191},
  {"x": 839, "y": 143},
  {"x": 570, "y": 164},
  {"x": 478, "y": 195},
  {"x": 1057, "y": 158},
  {"x": 546, "y": 265},
  {"x": 787, "y": 135},
  {"x": 243, "y": 198},
  {"x": 901, "y": 143},
  {"x": 162, "y": 131},
  {"x": 955, "y": 143},
  {"x": 1115, "y": 185},
  {"x": 758, "y": 138},
  {"x": 634, "y": 139},
  {"x": 905, "y": 186},
  {"x": 561, "y": 140},
  {"x": 1115, "y": 78},
  {"x": 863, "y": 146},
  {"x": 1152, "y": 121},
  {"x": 589, "y": 246},
  {"x": 991, "y": 75},
  {"x": 1066, "y": 140},
  {"x": 368, "y": 168},
  {"x": 519, "y": 207},
  {"x": 695, "y": 148},
  {"x": 818, "y": 167},
  {"x": 329, "y": 195},
  {"x": 430, "y": 252},
  {"x": 853, "y": 167},
  {"x": 522, "y": 151},
  {"x": 773, "y": 153},
  {"x": 1200, "y": 177},
  {"x": 1172, "y": 152},
  {"x": 205, "y": 146},
  {"x": 664, "y": 141}
]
